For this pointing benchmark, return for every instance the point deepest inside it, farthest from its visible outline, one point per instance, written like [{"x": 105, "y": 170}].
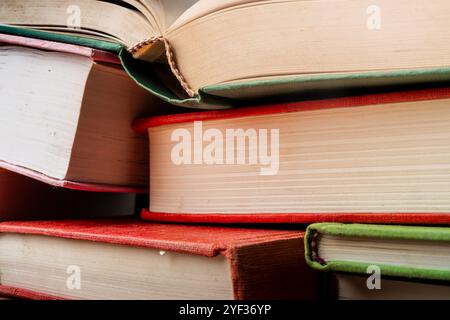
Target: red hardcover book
[
  {"x": 67, "y": 112},
  {"x": 380, "y": 158},
  {"x": 23, "y": 198},
  {"x": 129, "y": 259}
]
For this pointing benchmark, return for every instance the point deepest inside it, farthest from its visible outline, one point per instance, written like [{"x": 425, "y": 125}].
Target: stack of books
[{"x": 318, "y": 167}]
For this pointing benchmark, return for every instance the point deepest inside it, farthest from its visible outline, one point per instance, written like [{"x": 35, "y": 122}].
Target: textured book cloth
[
  {"x": 420, "y": 252},
  {"x": 380, "y": 158},
  {"x": 257, "y": 264}
]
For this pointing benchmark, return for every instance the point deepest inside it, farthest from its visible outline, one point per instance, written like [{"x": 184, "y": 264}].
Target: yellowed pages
[{"x": 249, "y": 40}]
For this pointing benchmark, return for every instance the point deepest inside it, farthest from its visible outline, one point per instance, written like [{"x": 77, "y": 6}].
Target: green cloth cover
[{"x": 439, "y": 234}]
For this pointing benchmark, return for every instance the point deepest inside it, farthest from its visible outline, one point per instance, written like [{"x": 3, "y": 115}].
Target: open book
[{"x": 240, "y": 49}]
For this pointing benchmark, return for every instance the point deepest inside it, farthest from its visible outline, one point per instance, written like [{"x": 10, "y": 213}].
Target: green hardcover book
[
  {"x": 213, "y": 53},
  {"x": 417, "y": 252}
]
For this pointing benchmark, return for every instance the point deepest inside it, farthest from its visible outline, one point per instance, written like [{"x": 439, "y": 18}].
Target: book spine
[{"x": 256, "y": 275}]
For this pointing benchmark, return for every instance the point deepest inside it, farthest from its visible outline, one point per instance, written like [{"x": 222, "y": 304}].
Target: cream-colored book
[
  {"x": 65, "y": 119},
  {"x": 354, "y": 287}
]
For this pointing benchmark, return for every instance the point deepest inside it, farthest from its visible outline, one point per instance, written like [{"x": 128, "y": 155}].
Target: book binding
[{"x": 438, "y": 234}]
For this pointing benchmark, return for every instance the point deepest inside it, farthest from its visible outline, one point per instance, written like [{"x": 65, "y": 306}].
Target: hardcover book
[
  {"x": 23, "y": 198},
  {"x": 214, "y": 51},
  {"x": 415, "y": 252},
  {"x": 374, "y": 158},
  {"x": 66, "y": 116},
  {"x": 354, "y": 287},
  {"x": 128, "y": 259}
]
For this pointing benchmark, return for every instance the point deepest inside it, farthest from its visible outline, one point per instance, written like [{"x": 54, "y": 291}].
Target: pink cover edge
[
  {"x": 13, "y": 292},
  {"x": 94, "y": 54},
  {"x": 69, "y": 184}
]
